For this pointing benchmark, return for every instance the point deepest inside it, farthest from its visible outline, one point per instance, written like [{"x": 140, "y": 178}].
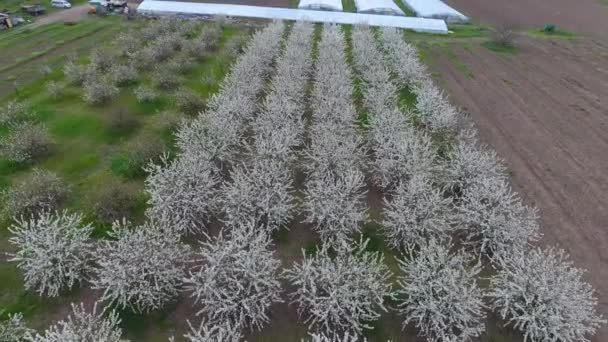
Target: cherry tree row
[
  {"x": 464, "y": 193},
  {"x": 334, "y": 157}
]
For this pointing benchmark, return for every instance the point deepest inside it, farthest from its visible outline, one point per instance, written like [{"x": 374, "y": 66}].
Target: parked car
[{"x": 61, "y": 4}]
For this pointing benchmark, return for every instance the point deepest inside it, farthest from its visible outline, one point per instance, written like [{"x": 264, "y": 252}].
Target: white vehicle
[{"x": 61, "y": 4}]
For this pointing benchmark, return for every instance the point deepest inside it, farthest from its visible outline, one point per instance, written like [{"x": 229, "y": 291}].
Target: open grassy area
[
  {"x": 26, "y": 50},
  {"x": 88, "y": 147}
]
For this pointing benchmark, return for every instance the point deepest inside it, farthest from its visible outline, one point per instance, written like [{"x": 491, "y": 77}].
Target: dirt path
[
  {"x": 545, "y": 111},
  {"x": 73, "y": 14},
  {"x": 584, "y": 16}
]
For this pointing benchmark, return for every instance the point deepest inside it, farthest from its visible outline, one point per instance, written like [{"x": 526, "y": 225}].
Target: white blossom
[
  {"x": 51, "y": 251},
  {"x": 83, "y": 326},
  {"x": 545, "y": 297},
  {"x": 236, "y": 279},
  {"x": 468, "y": 164},
  {"x": 182, "y": 192},
  {"x": 13, "y": 328},
  {"x": 213, "y": 333},
  {"x": 347, "y": 337},
  {"x": 400, "y": 157},
  {"x": 494, "y": 219},
  {"x": 438, "y": 292},
  {"x": 219, "y": 130},
  {"x": 402, "y": 57},
  {"x": 433, "y": 108},
  {"x": 415, "y": 213},
  {"x": 140, "y": 268},
  {"x": 335, "y": 204},
  {"x": 341, "y": 294},
  {"x": 262, "y": 191}
]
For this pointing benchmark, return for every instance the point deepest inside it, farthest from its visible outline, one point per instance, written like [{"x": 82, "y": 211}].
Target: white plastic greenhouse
[
  {"x": 386, "y": 7},
  {"x": 325, "y": 5},
  {"x": 435, "y": 9},
  {"x": 191, "y": 9}
]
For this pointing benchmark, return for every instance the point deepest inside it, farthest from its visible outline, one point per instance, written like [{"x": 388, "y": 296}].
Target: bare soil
[
  {"x": 75, "y": 13},
  {"x": 584, "y": 16},
  {"x": 545, "y": 111}
]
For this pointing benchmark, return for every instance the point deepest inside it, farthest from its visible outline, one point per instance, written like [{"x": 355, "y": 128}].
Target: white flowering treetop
[
  {"x": 336, "y": 206},
  {"x": 402, "y": 57},
  {"x": 469, "y": 164},
  {"x": 213, "y": 333},
  {"x": 52, "y": 251},
  {"x": 237, "y": 280},
  {"x": 182, "y": 192},
  {"x": 495, "y": 221},
  {"x": 262, "y": 191},
  {"x": 343, "y": 293},
  {"x": 141, "y": 267},
  {"x": 545, "y": 297},
  {"x": 83, "y": 326},
  {"x": 347, "y": 337},
  {"x": 13, "y": 329},
  {"x": 417, "y": 212},
  {"x": 438, "y": 292}
]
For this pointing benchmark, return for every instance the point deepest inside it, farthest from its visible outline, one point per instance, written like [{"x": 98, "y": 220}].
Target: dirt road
[
  {"x": 545, "y": 111},
  {"x": 583, "y": 16},
  {"x": 73, "y": 14}
]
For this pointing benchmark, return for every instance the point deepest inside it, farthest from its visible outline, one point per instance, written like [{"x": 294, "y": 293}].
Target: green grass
[
  {"x": 500, "y": 48},
  {"x": 556, "y": 34},
  {"x": 408, "y": 11},
  {"x": 349, "y": 6},
  {"x": 458, "y": 64},
  {"x": 86, "y": 151}
]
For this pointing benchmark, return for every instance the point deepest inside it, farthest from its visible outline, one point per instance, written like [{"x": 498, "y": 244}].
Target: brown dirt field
[
  {"x": 545, "y": 111},
  {"x": 75, "y": 13},
  {"x": 269, "y": 3},
  {"x": 585, "y": 16}
]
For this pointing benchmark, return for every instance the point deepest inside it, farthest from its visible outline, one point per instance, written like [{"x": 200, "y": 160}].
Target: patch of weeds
[
  {"x": 371, "y": 232},
  {"x": 407, "y": 98},
  {"x": 349, "y": 6},
  {"x": 458, "y": 64},
  {"x": 500, "y": 48},
  {"x": 311, "y": 248},
  {"x": 555, "y": 33}
]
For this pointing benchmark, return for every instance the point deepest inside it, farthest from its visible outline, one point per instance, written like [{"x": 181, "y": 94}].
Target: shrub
[
  {"x": 121, "y": 121},
  {"x": 25, "y": 142},
  {"x": 83, "y": 326},
  {"x": 98, "y": 90},
  {"x": 189, "y": 102},
  {"x": 14, "y": 112},
  {"x": 145, "y": 94},
  {"x": 77, "y": 74},
  {"x": 55, "y": 89},
  {"x": 503, "y": 36},
  {"x": 549, "y": 28},
  {"x": 103, "y": 59},
  {"x": 545, "y": 297},
  {"x": 113, "y": 201},
  {"x": 37, "y": 192},
  {"x": 211, "y": 36},
  {"x": 141, "y": 268},
  {"x": 208, "y": 79},
  {"x": 51, "y": 251},
  {"x": 180, "y": 64},
  {"x": 138, "y": 153}
]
